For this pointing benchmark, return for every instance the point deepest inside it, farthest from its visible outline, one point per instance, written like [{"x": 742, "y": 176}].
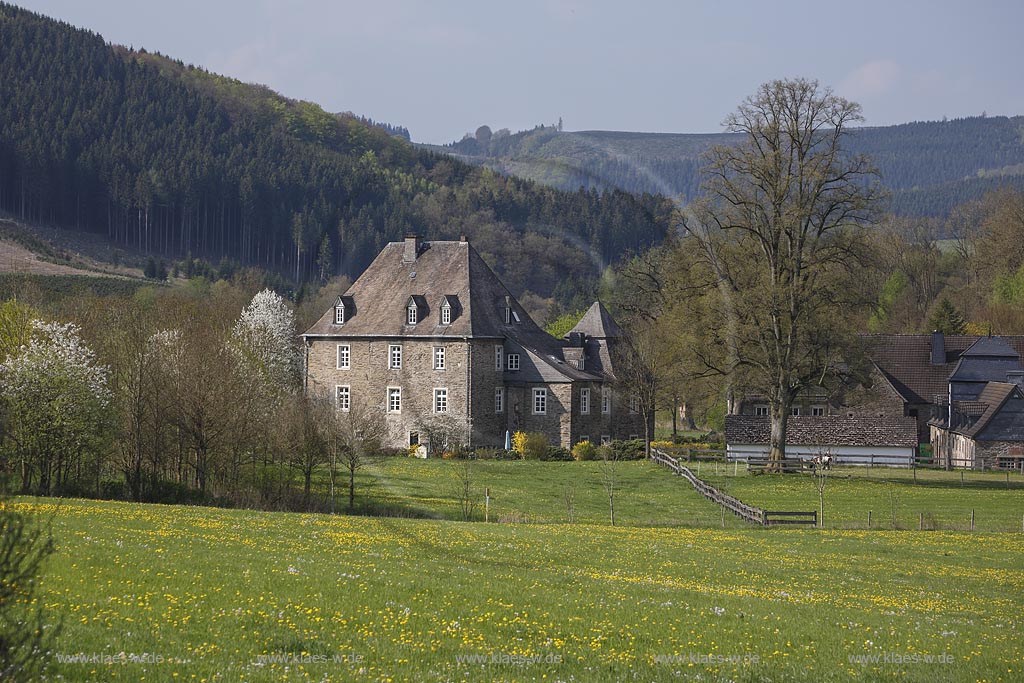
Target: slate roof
[
  {"x": 905, "y": 359},
  {"x": 832, "y": 430},
  {"x": 597, "y": 322},
  {"x": 376, "y": 303},
  {"x": 994, "y": 396}
]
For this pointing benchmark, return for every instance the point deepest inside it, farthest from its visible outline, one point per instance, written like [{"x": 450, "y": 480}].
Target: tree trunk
[
  {"x": 777, "y": 443},
  {"x": 351, "y": 488}
]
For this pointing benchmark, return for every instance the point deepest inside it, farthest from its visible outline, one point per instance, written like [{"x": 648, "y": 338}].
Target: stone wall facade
[{"x": 471, "y": 378}]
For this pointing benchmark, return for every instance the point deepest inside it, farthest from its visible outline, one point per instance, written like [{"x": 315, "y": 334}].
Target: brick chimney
[
  {"x": 412, "y": 248},
  {"x": 938, "y": 348}
]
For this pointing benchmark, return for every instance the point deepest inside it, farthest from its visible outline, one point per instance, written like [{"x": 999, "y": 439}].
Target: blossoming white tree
[
  {"x": 265, "y": 334},
  {"x": 56, "y": 401}
]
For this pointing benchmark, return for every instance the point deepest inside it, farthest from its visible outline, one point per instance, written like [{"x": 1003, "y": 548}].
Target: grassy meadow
[
  {"x": 647, "y": 495},
  {"x": 938, "y": 498},
  {"x": 172, "y": 593},
  {"x": 531, "y": 491}
]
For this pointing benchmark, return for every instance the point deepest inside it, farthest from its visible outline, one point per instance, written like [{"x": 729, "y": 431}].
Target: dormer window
[
  {"x": 449, "y": 308},
  {"x": 339, "y": 312},
  {"x": 508, "y": 315},
  {"x": 412, "y": 311}
]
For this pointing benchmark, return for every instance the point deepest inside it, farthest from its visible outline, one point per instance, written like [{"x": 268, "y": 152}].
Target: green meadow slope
[{"x": 169, "y": 593}]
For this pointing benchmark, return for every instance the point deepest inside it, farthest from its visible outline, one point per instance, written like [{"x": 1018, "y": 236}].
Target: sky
[{"x": 443, "y": 68}]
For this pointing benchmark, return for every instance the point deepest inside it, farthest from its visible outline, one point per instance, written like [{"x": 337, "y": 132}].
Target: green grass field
[
  {"x": 530, "y": 491},
  {"x": 647, "y": 495},
  {"x": 996, "y": 498},
  {"x": 204, "y": 594}
]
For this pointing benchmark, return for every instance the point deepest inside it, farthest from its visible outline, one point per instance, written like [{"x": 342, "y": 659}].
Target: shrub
[
  {"x": 558, "y": 454},
  {"x": 519, "y": 443},
  {"x": 634, "y": 449},
  {"x": 534, "y": 446},
  {"x": 584, "y": 450}
]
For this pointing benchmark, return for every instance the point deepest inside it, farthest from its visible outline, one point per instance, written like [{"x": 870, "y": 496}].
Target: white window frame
[
  {"x": 585, "y": 401},
  {"x": 499, "y": 400},
  {"x": 634, "y": 437},
  {"x": 344, "y": 356},
  {"x": 343, "y": 397},
  {"x": 508, "y": 315},
  {"x": 446, "y": 315},
  {"x": 395, "y": 356},
  {"x": 499, "y": 360},
  {"x": 440, "y": 399},
  {"x": 761, "y": 410},
  {"x": 512, "y": 361},
  {"x": 339, "y": 315},
  {"x": 540, "y": 401},
  {"x": 411, "y": 315},
  {"x": 606, "y": 401},
  {"x": 394, "y": 406},
  {"x": 584, "y": 437},
  {"x": 634, "y": 404},
  {"x": 794, "y": 411},
  {"x": 439, "y": 358},
  {"x": 818, "y": 411},
  {"x": 606, "y": 439}
]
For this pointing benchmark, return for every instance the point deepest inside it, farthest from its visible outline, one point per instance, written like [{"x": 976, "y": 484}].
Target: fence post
[
  {"x": 920, "y": 521},
  {"x": 869, "y": 519},
  {"x": 972, "y": 520}
]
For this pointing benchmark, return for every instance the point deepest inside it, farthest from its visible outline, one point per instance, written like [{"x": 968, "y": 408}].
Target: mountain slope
[
  {"x": 171, "y": 159},
  {"x": 929, "y": 167}
]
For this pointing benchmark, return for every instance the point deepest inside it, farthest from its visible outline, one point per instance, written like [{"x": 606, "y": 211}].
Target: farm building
[
  {"x": 981, "y": 422},
  {"x": 428, "y": 335},
  {"x": 888, "y": 441},
  {"x": 912, "y": 377}
]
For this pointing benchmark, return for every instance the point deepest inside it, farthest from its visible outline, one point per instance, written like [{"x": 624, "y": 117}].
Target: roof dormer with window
[
  {"x": 412, "y": 311},
  {"x": 341, "y": 311},
  {"x": 448, "y": 309}
]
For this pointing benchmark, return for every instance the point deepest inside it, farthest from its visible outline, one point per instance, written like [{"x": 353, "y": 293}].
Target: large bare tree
[{"x": 777, "y": 232}]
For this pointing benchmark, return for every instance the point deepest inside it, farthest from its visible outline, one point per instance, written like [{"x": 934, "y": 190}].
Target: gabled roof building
[
  {"x": 953, "y": 391},
  {"x": 428, "y": 333}
]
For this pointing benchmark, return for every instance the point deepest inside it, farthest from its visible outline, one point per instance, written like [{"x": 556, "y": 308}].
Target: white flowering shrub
[
  {"x": 56, "y": 401},
  {"x": 265, "y": 335}
]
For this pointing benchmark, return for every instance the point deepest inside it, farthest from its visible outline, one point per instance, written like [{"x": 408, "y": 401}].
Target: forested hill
[
  {"x": 172, "y": 159},
  {"x": 929, "y": 167}
]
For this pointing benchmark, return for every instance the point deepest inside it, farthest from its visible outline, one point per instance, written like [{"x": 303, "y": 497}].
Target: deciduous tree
[{"x": 777, "y": 235}]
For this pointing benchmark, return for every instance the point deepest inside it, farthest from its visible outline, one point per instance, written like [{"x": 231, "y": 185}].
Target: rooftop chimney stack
[
  {"x": 1016, "y": 377},
  {"x": 412, "y": 248},
  {"x": 938, "y": 348}
]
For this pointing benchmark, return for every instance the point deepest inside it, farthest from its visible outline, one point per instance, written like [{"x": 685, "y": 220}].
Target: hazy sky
[{"x": 443, "y": 68}]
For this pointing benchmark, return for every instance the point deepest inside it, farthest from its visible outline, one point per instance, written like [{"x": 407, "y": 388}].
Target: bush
[
  {"x": 680, "y": 439},
  {"x": 634, "y": 449},
  {"x": 495, "y": 454},
  {"x": 534, "y": 446},
  {"x": 557, "y": 454},
  {"x": 519, "y": 443},
  {"x": 583, "y": 451},
  {"x": 113, "y": 489}
]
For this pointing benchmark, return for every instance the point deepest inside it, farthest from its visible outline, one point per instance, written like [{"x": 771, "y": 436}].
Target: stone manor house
[{"x": 428, "y": 332}]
